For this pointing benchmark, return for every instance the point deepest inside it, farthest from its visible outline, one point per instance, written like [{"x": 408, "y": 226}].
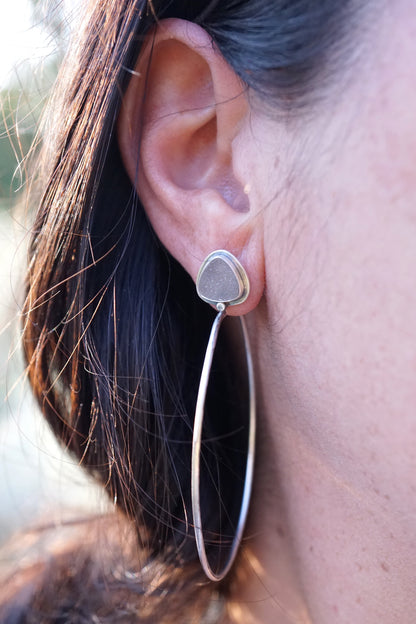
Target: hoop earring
[{"x": 221, "y": 281}]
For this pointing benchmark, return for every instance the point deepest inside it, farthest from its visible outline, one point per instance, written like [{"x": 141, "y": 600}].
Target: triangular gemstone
[{"x": 218, "y": 282}]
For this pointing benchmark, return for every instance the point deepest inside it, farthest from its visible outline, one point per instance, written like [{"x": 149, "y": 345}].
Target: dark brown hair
[{"x": 114, "y": 334}]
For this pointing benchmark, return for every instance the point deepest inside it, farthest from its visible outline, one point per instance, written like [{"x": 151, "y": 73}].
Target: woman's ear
[{"x": 181, "y": 115}]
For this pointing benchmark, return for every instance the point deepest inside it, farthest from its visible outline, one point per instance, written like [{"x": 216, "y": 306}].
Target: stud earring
[{"x": 222, "y": 281}]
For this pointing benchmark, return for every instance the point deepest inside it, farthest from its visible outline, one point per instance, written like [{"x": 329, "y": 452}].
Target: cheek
[
  {"x": 343, "y": 284},
  {"x": 344, "y": 303},
  {"x": 340, "y": 369},
  {"x": 341, "y": 274}
]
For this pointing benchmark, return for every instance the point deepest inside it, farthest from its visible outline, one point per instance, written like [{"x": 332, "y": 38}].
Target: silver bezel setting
[{"x": 239, "y": 273}]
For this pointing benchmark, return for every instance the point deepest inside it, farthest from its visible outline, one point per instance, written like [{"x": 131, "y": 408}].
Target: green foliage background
[
  {"x": 17, "y": 132},
  {"x": 38, "y": 480},
  {"x": 22, "y": 102}
]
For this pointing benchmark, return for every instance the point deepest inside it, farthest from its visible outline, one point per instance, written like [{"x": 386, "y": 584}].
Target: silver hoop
[{"x": 241, "y": 294}]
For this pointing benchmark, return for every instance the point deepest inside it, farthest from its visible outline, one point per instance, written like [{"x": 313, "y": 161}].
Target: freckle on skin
[
  {"x": 373, "y": 430},
  {"x": 384, "y": 566},
  {"x": 359, "y": 566},
  {"x": 280, "y": 531},
  {"x": 358, "y": 600}
]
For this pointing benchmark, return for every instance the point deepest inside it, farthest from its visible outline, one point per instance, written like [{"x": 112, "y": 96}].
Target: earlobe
[{"x": 179, "y": 120}]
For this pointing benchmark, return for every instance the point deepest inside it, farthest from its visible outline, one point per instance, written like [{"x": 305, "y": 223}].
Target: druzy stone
[
  {"x": 222, "y": 279},
  {"x": 218, "y": 282}
]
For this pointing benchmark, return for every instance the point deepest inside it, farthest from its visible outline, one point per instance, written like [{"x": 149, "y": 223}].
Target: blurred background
[{"x": 38, "y": 480}]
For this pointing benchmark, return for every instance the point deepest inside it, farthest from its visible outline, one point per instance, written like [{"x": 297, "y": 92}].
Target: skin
[
  {"x": 329, "y": 242},
  {"x": 334, "y": 516}
]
